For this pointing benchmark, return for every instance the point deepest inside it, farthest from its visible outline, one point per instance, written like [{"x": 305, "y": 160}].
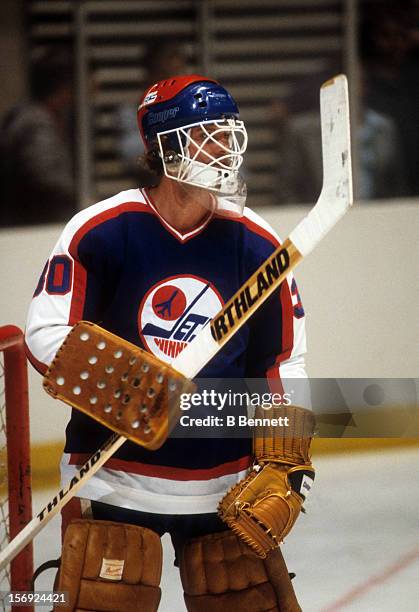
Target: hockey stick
[{"x": 335, "y": 199}]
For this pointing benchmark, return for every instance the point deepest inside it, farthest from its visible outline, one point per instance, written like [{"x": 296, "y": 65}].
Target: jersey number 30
[{"x": 56, "y": 276}]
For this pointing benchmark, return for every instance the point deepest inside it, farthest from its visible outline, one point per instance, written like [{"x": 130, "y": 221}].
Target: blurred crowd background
[{"x": 73, "y": 72}]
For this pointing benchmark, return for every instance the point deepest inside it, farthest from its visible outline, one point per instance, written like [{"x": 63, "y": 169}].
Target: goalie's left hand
[{"x": 263, "y": 507}]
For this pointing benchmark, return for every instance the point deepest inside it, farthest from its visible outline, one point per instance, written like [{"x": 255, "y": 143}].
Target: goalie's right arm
[{"x": 69, "y": 288}]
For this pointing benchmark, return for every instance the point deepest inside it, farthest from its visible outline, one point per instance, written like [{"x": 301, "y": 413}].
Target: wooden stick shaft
[{"x": 60, "y": 499}]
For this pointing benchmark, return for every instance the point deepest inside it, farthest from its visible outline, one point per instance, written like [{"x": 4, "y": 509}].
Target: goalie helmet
[{"x": 168, "y": 115}]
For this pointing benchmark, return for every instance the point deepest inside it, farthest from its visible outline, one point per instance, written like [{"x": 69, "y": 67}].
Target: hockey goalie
[{"x": 148, "y": 269}]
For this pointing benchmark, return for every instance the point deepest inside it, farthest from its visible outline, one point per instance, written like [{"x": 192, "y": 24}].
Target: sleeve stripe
[
  {"x": 287, "y": 321},
  {"x": 273, "y": 373},
  {"x": 38, "y": 365},
  {"x": 79, "y": 294}
]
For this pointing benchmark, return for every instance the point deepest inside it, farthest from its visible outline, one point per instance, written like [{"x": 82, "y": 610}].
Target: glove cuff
[{"x": 289, "y": 444}]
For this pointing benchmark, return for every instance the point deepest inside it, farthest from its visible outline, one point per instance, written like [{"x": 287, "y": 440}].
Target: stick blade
[
  {"x": 337, "y": 195},
  {"x": 336, "y": 141}
]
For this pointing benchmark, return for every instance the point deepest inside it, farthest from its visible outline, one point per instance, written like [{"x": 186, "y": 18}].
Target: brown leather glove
[
  {"x": 263, "y": 507},
  {"x": 118, "y": 384}
]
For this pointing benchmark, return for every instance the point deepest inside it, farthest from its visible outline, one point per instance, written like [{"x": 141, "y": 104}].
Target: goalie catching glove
[
  {"x": 263, "y": 507},
  {"x": 118, "y": 384}
]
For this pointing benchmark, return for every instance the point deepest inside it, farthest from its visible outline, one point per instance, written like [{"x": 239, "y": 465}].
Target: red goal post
[{"x": 15, "y": 473}]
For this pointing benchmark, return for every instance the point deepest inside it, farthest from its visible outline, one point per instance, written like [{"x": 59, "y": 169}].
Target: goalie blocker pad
[
  {"x": 118, "y": 384},
  {"x": 107, "y": 566},
  {"x": 288, "y": 445}
]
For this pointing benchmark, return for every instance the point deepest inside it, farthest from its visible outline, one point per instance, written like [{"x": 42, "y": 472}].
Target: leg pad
[
  {"x": 110, "y": 567},
  {"x": 220, "y": 573}
]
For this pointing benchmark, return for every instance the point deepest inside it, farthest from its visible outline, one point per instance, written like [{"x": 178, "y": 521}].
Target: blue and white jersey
[{"x": 119, "y": 264}]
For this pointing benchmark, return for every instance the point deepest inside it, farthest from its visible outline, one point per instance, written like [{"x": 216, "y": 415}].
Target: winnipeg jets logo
[{"x": 174, "y": 311}]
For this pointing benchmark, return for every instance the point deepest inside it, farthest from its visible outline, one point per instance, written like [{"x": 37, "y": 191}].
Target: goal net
[{"x": 15, "y": 478}]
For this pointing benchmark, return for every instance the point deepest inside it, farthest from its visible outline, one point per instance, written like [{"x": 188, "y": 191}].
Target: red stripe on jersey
[
  {"x": 79, "y": 294},
  {"x": 273, "y": 374},
  {"x": 111, "y": 213},
  {"x": 180, "y": 237},
  {"x": 80, "y": 276},
  {"x": 254, "y": 227},
  {"x": 38, "y": 365},
  {"x": 170, "y": 473},
  {"x": 287, "y": 321}
]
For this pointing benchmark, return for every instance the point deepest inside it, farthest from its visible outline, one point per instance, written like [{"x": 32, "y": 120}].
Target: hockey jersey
[{"x": 120, "y": 264}]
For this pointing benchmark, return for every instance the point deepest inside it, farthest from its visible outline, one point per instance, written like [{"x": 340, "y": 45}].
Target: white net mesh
[{"x": 4, "y": 502}]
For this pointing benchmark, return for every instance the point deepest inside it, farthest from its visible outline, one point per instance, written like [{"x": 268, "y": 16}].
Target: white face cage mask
[{"x": 216, "y": 172}]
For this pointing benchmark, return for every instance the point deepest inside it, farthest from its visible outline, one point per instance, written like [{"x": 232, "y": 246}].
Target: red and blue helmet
[
  {"x": 181, "y": 101},
  {"x": 167, "y": 115}
]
